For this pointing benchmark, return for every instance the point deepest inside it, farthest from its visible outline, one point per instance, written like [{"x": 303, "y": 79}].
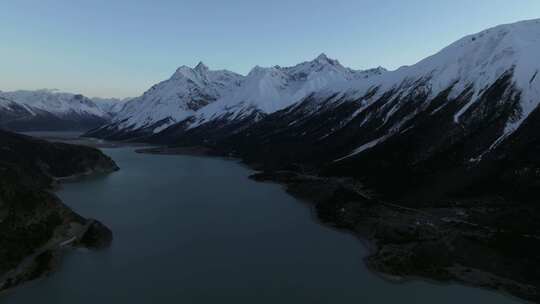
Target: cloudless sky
[{"x": 119, "y": 48}]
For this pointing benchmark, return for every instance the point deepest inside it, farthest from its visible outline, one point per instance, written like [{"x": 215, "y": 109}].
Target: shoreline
[
  {"x": 45, "y": 260},
  {"x": 72, "y": 231},
  {"x": 309, "y": 189},
  {"x": 292, "y": 181}
]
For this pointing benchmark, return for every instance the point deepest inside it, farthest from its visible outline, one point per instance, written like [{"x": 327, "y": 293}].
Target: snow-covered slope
[
  {"x": 49, "y": 110},
  {"x": 267, "y": 90},
  {"x": 177, "y": 98},
  {"x": 464, "y": 119},
  {"x": 495, "y": 70},
  {"x": 58, "y": 103},
  {"x": 198, "y": 95},
  {"x": 473, "y": 63},
  {"x": 471, "y": 96},
  {"x": 9, "y": 105}
]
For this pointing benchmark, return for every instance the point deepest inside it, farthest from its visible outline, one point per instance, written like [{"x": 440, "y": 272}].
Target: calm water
[{"x": 197, "y": 230}]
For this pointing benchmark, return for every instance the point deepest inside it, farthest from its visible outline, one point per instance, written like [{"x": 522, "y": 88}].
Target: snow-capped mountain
[
  {"x": 475, "y": 63},
  {"x": 447, "y": 117},
  {"x": 458, "y": 78},
  {"x": 443, "y": 119},
  {"x": 192, "y": 97},
  {"x": 175, "y": 99},
  {"x": 49, "y": 110},
  {"x": 267, "y": 90},
  {"x": 58, "y": 103},
  {"x": 478, "y": 91}
]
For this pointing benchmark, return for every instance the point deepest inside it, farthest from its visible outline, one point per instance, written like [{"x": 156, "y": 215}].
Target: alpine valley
[
  {"x": 436, "y": 165},
  {"x": 435, "y": 162}
]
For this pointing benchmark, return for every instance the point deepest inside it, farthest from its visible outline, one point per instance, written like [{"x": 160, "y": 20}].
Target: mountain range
[
  {"x": 52, "y": 110},
  {"x": 461, "y": 74},
  {"x": 470, "y": 104},
  {"x": 477, "y": 92},
  {"x": 198, "y": 95}
]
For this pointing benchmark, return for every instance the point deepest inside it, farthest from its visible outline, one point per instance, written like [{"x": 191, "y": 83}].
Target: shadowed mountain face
[
  {"x": 32, "y": 219},
  {"x": 416, "y": 151}
]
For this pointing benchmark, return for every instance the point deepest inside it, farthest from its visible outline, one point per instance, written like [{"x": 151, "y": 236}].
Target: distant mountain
[
  {"x": 267, "y": 90},
  {"x": 50, "y": 110},
  {"x": 192, "y": 97},
  {"x": 172, "y": 101}
]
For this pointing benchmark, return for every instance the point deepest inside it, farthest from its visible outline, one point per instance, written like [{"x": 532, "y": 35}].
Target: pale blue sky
[{"x": 121, "y": 47}]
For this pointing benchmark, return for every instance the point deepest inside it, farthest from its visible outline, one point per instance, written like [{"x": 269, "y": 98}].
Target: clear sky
[{"x": 121, "y": 47}]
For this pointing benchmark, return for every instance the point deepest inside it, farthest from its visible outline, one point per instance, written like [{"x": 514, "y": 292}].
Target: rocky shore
[
  {"x": 35, "y": 226},
  {"x": 453, "y": 241}
]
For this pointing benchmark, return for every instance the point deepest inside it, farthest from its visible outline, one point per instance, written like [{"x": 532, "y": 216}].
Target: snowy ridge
[
  {"x": 57, "y": 103},
  {"x": 477, "y": 62},
  {"x": 468, "y": 67},
  {"x": 177, "y": 98},
  {"x": 201, "y": 95},
  {"x": 267, "y": 90}
]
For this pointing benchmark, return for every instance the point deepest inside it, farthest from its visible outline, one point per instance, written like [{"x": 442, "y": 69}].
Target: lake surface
[{"x": 197, "y": 230}]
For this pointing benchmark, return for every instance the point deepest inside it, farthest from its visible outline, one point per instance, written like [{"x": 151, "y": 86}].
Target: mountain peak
[
  {"x": 259, "y": 70},
  {"x": 323, "y": 59},
  {"x": 201, "y": 67},
  {"x": 189, "y": 72}
]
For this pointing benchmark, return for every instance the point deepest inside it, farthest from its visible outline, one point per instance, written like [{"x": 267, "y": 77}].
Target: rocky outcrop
[
  {"x": 34, "y": 224},
  {"x": 97, "y": 236}
]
